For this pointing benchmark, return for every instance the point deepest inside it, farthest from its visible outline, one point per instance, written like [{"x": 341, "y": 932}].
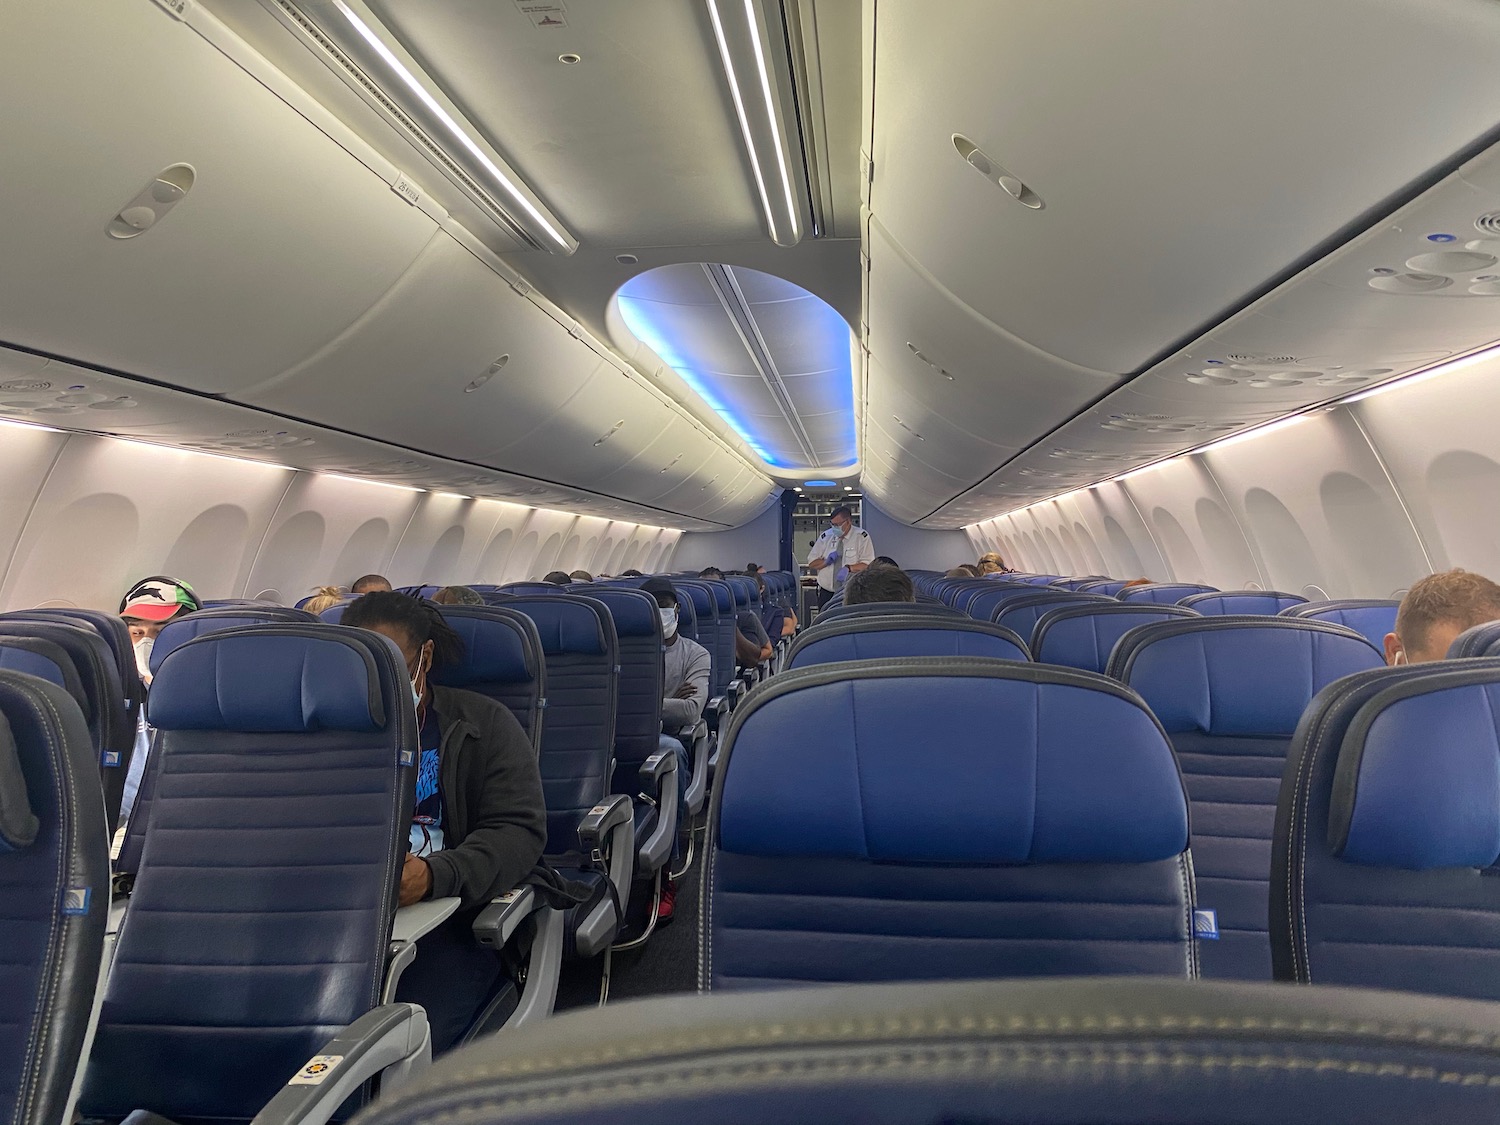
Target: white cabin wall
[
  {"x": 914, "y": 548},
  {"x": 81, "y": 517},
  {"x": 757, "y": 541},
  {"x": 1358, "y": 500}
]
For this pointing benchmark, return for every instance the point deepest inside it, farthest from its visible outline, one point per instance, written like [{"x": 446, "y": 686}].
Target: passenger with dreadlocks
[{"x": 479, "y": 823}]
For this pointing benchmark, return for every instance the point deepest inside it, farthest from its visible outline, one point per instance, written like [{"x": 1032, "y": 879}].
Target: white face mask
[
  {"x": 416, "y": 692},
  {"x": 143, "y": 649},
  {"x": 669, "y": 622}
]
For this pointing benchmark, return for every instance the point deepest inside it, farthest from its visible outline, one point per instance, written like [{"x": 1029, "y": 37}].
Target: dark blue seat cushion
[
  {"x": 638, "y": 709},
  {"x": 54, "y": 895},
  {"x": 1230, "y": 692},
  {"x": 888, "y": 636},
  {"x": 1164, "y": 593},
  {"x": 180, "y": 630},
  {"x": 933, "y": 818},
  {"x": 1242, "y": 602},
  {"x": 267, "y": 678},
  {"x": 502, "y": 660},
  {"x": 1083, "y": 636},
  {"x": 1481, "y": 640},
  {"x": 1384, "y": 865},
  {"x": 1022, "y": 614},
  {"x": 1370, "y": 618},
  {"x": 260, "y": 918}
]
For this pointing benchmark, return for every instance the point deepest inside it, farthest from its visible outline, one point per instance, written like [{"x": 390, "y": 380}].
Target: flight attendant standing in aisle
[{"x": 840, "y": 551}]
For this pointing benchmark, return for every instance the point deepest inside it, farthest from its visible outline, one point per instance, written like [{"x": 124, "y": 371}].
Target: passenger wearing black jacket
[{"x": 479, "y": 820}]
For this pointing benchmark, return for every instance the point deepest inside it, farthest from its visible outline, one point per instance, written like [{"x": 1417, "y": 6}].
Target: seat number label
[{"x": 318, "y": 1068}]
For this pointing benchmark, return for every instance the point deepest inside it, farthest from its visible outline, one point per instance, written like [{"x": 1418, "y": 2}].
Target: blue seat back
[
  {"x": 502, "y": 661},
  {"x": 886, "y": 609},
  {"x": 1164, "y": 593},
  {"x": 964, "y": 596},
  {"x": 1042, "y": 579},
  {"x": 107, "y": 711},
  {"x": 1022, "y": 614},
  {"x": 1075, "y": 583},
  {"x": 116, "y": 635},
  {"x": 54, "y": 896},
  {"x": 935, "y": 818},
  {"x": 638, "y": 710},
  {"x": 715, "y": 629},
  {"x": 887, "y": 637},
  {"x": 1388, "y": 834},
  {"x": 180, "y": 630},
  {"x": 1230, "y": 692},
  {"x": 581, "y": 654},
  {"x": 989, "y": 598},
  {"x": 1082, "y": 636},
  {"x": 335, "y": 613},
  {"x": 528, "y": 588},
  {"x": 283, "y": 749},
  {"x": 1481, "y": 640},
  {"x": 46, "y": 660},
  {"x": 1371, "y": 618},
  {"x": 1242, "y": 603},
  {"x": 1109, "y": 586}
]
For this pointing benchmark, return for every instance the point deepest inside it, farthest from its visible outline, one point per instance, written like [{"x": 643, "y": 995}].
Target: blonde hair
[
  {"x": 323, "y": 598},
  {"x": 1455, "y": 596}
]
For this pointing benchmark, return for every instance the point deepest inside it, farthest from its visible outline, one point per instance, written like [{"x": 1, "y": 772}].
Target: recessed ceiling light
[
  {"x": 569, "y": 58},
  {"x": 626, "y": 259}
]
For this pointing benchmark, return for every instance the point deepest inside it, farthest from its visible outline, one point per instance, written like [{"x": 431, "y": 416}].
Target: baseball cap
[
  {"x": 159, "y": 599},
  {"x": 658, "y": 586}
]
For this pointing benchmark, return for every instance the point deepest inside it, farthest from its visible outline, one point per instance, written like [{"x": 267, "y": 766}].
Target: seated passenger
[
  {"x": 778, "y": 621},
  {"x": 1435, "y": 611},
  {"x": 754, "y": 570},
  {"x": 879, "y": 584},
  {"x": 558, "y": 577},
  {"x": 631, "y": 573},
  {"x": 479, "y": 822},
  {"x": 994, "y": 557},
  {"x": 964, "y": 570},
  {"x": 684, "y": 692},
  {"x": 986, "y": 566},
  {"x": 1134, "y": 582},
  {"x": 457, "y": 595},
  {"x": 751, "y": 644},
  {"x": 884, "y": 560},
  {"x": 146, "y": 607},
  {"x": 324, "y": 597},
  {"x": 581, "y": 576},
  {"x": 370, "y": 584}
]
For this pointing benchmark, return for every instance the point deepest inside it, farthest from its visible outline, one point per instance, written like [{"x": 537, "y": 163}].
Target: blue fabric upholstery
[
  {"x": 986, "y": 602},
  {"x": 1481, "y": 640},
  {"x": 1022, "y": 614},
  {"x": 1109, "y": 586},
  {"x": 334, "y": 614},
  {"x": 502, "y": 660},
  {"x": 1370, "y": 618},
  {"x": 886, "y": 609},
  {"x": 1057, "y": 1052},
  {"x": 1230, "y": 692},
  {"x": 1164, "y": 593},
  {"x": 116, "y": 635},
  {"x": 260, "y": 919},
  {"x": 268, "y": 678},
  {"x": 44, "y": 660},
  {"x": 937, "y": 818},
  {"x": 1230, "y": 603},
  {"x": 54, "y": 896},
  {"x": 581, "y": 654},
  {"x": 1076, "y": 583},
  {"x": 1082, "y": 636},
  {"x": 180, "y": 630},
  {"x": 1383, "y": 873},
  {"x": 638, "y": 710},
  {"x": 715, "y": 630},
  {"x": 107, "y": 710},
  {"x": 887, "y": 636}
]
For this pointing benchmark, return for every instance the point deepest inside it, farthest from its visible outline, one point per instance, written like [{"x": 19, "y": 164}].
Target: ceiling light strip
[
  {"x": 739, "y": 109},
  {"x": 765, "y": 89},
  {"x": 509, "y": 185}
]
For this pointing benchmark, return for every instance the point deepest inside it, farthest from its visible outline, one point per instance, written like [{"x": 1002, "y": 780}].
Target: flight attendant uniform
[{"x": 855, "y": 547}]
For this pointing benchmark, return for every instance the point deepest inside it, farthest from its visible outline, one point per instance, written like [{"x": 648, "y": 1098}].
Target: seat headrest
[
  {"x": 1082, "y": 636},
  {"x": 183, "y": 629},
  {"x": 1168, "y": 592},
  {"x": 18, "y": 824},
  {"x": 1481, "y": 640},
  {"x": 495, "y": 649},
  {"x": 565, "y": 624},
  {"x": 1246, "y": 676},
  {"x": 885, "y": 636},
  {"x": 1417, "y": 783},
  {"x": 635, "y": 613},
  {"x": 269, "y": 678},
  {"x": 1231, "y": 602},
  {"x": 949, "y": 761},
  {"x": 39, "y": 658}
]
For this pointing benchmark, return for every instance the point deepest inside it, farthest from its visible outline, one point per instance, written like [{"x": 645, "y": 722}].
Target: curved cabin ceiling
[
  {"x": 770, "y": 358},
  {"x": 1073, "y": 237}
]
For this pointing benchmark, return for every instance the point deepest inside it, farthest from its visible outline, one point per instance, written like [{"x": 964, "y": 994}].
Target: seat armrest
[
  {"x": 607, "y": 835},
  {"x": 658, "y": 775},
  {"x": 715, "y": 711},
  {"x": 392, "y": 1038},
  {"x": 420, "y": 918},
  {"x": 697, "y": 788},
  {"x": 499, "y": 920}
]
